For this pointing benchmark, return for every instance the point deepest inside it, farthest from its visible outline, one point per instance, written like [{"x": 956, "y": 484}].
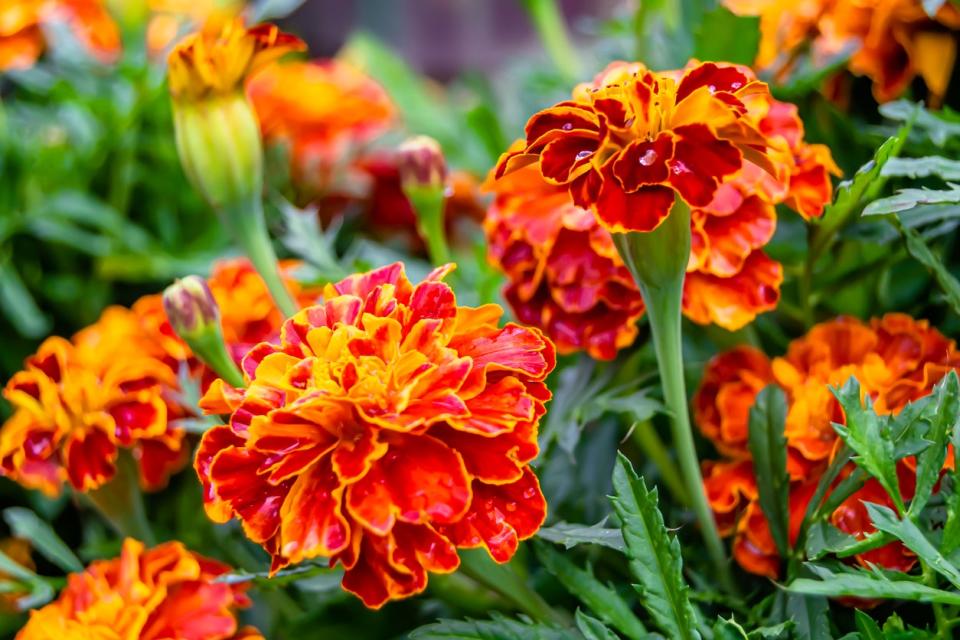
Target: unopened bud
[
  {"x": 421, "y": 164},
  {"x": 190, "y": 307}
]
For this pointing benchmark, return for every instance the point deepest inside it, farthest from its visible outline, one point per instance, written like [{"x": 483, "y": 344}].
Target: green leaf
[
  {"x": 768, "y": 446},
  {"x": 775, "y": 632},
  {"x": 810, "y": 615},
  {"x": 497, "y": 628},
  {"x": 944, "y": 419},
  {"x": 728, "y": 630},
  {"x": 19, "y": 306},
  {"x": 725, "y": 36},
  {"x": 824, "y": 538},
  {"x": 907, "y": 199},
  {"x": 654, "y": 554},
  {"x": 593, "y": 629},
  {"x": 935, "y": 125},
  {"x": 868, "y": 628},
  {"x": 862, "y": 433},
  {"x": 603, "y": 600},
  {"x": 869, "y": 584},
  {"x": 951, "y": 529},
  {"x": 571, "y": 535},
  {"x": 943, "y": 168},
  {"x": 27, "y": 525},
  {"x": 917, "y": 248},
  {"x": 907, "y": 532}
]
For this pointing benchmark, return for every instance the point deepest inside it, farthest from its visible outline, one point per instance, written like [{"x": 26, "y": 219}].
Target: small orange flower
[
  {"x": 387, "y": 428},
  {"x": 149, "y": 594},
  {"x": 220, "y": 57},
  {"x": 324, "y": 110},
  {"x": 892, "y": 41},
  {"x": 895, "y": 358},
  {"x": 631, "y": 140},
  {"x": 22, "y": 23}
]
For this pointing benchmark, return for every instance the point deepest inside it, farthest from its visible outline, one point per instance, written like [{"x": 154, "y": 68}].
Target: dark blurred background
[{"x": 442, "y": 38}]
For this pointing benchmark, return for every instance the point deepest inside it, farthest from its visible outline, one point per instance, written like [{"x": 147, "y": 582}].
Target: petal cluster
[
  {"x": 149, "y": 594},
  {"x": 219, "y": 58},
  {"x": 22, "y": 22},
  {"x": 895, "y": 358},
  {"x": 889, "y": 41},
  {"x": 565, "y": 276},
  {"x": 385, "y": 429},
  {"x": 629, "y": 143}
]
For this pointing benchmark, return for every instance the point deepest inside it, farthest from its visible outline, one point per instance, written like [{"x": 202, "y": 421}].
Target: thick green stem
[
  {"x": 428, "y": 204},
  {"x": 549, "y": 23},
  {"x": 658, "y": 262},
  {"x": 120, "y": 501},
  {"x": 503, "y": 579},
  {"x": 212, "y": 351},
  {"x": 943, "y": 625},
  {"x": 645, "y": 437},
  {"x": 246, "y": 221}
]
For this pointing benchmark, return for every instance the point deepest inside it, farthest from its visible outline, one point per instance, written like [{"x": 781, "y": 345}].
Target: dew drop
[
  {"x": 678, "y": 168},
  {"x": 529, "y": 493},
  {"x": 583, "y": 155},
  {"x": 736, "y": 85},
  {"x": 648, "y": 158},
  {"x": 567, "y": 126},
  {"x": 510, "y": 507},
  {"x": 712, "y": 88}
]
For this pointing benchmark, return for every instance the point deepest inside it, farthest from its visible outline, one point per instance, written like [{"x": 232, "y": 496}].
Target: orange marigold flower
[
  {"x": 387, "y": 428},
  {"x": 22, "y": 23},
  {"x": 324, "y": 110},
  {"x": 150, "y": 594},
  {"x": 892, "y": 41},
  {"x": 895, "y": 358},
  {"x": 631, "y": 140},
  {"x": 220, "y": 57}
]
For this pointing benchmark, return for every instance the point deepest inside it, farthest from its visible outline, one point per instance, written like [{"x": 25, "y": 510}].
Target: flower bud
[
  {"x": 421, "y": 164},
  {"x": 190, "y": 307}
]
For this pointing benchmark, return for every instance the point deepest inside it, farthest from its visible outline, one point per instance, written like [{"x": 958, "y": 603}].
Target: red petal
[
  {"x": 713, "y": 76},
  {"x": 642, "y": 162},
  {"x": 566, "y": 157},
  {"x": 235, "y": 479},
  {"x": 700, "y": 161},
  {"x": 642, "y": 210},
  {"x": 89, "y": 458},
  {"x": 312, "y": 522}
]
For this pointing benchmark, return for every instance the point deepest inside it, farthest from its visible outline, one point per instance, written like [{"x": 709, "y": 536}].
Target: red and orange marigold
[
  {"x": 895, "y": 358},
  {"x": 149, "y": 594},
  {"x": 387, "y": 428},
  {"x": 565, "y": 276}
]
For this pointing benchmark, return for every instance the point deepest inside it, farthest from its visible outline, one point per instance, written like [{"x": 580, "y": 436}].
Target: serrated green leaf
[
  {"x": 951, "y": 528},
  {"x": 654, "y": 554},
  {"x": 935, "y": 125},
  {"x": 944, "y": 419},
  {"x": 27, "y": 525},
  {"x": 862, "y": 433},
  {"x": 809, "y": 615},
  {"x": 824, "y": 538},
  {"x": 943, "y": 168},
  {"x": 571, "y": 535},
  {"x": 910, "y": 535},
  {"x": 917, "y": 248},
  {"x": 497, "y": 628},
  {"x": 593, "y": 629},
  {"x": 907, "y": 199},
  {"x": 868, "y": 628},
  {"x": 775, "y": 632},
  {"x": 768, "y": 446},
  {"x": 602, "y": 599},
  {"x": 870, "y": 584},
  {"x": 728, "y": 630}
]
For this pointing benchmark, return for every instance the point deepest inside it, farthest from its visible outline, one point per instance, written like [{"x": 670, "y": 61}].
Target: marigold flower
[
  {"x": 631, "y": 140},
  {"x": 895, "y": 358},
  {"x": 892, "y": 41},
  {"x": 22, "y": 39},
  {"x": 150, "y": 594},
  {"x": 387, "y": 428}
]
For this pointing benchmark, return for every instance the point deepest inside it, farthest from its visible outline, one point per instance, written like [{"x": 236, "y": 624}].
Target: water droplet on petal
[
  {"x": 712, "y": 88},
  {"x": 582, "y": 155},
  {"x": 529, "y": 493},
  {"x": 736, "y": 85},
  {"x": 567, "y": 126},
  {"x": 648, "y": 158},
  {"x": 678, "y": 168}
]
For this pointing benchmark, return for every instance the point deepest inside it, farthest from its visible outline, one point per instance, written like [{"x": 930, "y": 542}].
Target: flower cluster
[
  {"x": 114, "y": 386},
  {"x": 896, "y": 360},
  {"x": 23, "y": 24},
  {"x": 890, "y": 42},
  {"x": 566, "y": 276},
  {"x": 385, "y": 429},
  {"x": 150, "y": 594}
]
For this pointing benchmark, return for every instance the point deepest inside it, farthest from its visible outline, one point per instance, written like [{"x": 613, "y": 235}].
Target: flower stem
[
  {"x": 658, "y": 261},
  {"x": 503, "y": 579},
  {"x": 250, "y": 231},
  {"x": 549, "y": 23},
  {"x": 212, "y": 351},
  {"x": 428, "y": 204},
  {"x": 120, "y": 501},
  {"x": 943, "y": 625}
]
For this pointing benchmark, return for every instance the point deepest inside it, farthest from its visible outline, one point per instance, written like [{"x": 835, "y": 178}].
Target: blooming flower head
[
  {"x": 632, "y": 140},
  {"x": 324, "y": 110},
  {"x": 78, "y": 402},
  {"x": 891, "y": 41},
  {"x": 895, "y": 358},
  {"x": 222, "y": 55},
  {"x": 385, "y": 429},
  {"x": 149, "y": 594},
  {"x": 22, "y": 23}
]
